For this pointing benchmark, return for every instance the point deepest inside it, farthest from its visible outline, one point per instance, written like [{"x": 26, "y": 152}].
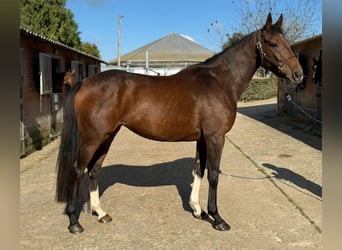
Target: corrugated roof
[
  {"x": 170, "y": 48},
  {"x": 31, "y": 33}
]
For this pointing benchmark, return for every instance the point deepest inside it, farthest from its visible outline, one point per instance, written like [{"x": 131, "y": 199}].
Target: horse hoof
[
  {"x": 76, "y": 228},
  {"x": 105, "y": 219},
  {"x": 202, "y": 216},
  {"x": 223, "y": 226}
]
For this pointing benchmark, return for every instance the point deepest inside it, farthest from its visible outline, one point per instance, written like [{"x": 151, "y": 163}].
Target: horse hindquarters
[{"x": 88, "y": 143}]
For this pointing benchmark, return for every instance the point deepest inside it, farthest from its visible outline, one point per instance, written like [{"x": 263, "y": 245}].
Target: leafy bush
[{"x": 260, "y": 89}]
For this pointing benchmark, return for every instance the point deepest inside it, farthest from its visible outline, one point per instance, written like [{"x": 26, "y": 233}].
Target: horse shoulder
[{"x": 215, "y": 102}]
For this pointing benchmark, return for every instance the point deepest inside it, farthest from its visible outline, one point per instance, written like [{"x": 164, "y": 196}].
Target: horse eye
[{"x": 273, "y": 44}]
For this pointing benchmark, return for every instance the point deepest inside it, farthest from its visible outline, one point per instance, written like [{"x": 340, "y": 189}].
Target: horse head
[
  {"x": 276, "y": 54},
  {"x": 69, "y": 78}
]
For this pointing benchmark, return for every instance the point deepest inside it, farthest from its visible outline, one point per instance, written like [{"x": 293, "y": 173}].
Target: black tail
[{"x": 69, "y": 148}]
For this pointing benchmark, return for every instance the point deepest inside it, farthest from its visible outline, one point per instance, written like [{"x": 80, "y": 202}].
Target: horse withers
[{"x": 197, "y": 104}]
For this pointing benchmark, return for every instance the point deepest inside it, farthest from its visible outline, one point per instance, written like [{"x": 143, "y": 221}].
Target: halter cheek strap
[{"x": 262, "y": 54}]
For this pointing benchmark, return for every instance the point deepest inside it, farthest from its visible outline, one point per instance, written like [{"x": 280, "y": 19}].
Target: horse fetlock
[
  {"x": 105, "y": 219},
  {"x": 196, "y": 207},
  {"x": 70, "y": 210}
]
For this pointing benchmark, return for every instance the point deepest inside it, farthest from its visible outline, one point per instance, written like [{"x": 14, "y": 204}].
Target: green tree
[
  {"x": 51, "y": 19},
  {"x": 233, "y": 39},
  {"x": 90, "y": 49}
]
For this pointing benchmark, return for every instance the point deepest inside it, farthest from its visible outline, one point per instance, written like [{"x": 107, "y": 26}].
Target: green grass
[{"x": 260, "y": 89}]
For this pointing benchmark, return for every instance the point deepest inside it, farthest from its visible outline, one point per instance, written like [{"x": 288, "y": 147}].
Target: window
[
  {"x": 45, "y": 73},
  {"x": 78, "y": 66},
  {"x": 49, "y": 67},
  {"x": 92, "y": 70}
]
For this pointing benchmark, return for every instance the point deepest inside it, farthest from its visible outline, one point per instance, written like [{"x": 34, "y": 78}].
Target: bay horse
[{"x": 197, "y": 104}]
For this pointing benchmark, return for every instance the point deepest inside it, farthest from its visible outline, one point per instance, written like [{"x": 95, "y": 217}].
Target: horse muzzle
[
  {"x": 297, "y": 77},
  {"x": 294, "y": 76}
]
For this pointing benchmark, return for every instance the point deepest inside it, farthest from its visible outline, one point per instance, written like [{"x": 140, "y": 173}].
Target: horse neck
[{"x": 236, "y": 65}]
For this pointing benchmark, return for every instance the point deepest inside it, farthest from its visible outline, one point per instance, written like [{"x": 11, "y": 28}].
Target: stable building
[
  {"x": 164, "y": 56},
  {"x": 304, "y": 103},
  {"x": 43, "y": 65}
]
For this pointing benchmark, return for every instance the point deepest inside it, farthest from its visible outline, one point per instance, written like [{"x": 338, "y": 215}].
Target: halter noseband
[{"x": 263, "y": 55}]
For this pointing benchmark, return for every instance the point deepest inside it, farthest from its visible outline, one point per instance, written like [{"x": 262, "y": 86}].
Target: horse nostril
[{"x": 298, "y": 76}]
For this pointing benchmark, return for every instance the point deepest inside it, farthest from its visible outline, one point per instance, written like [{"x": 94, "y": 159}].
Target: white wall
[{"x": 142, "y": 70}]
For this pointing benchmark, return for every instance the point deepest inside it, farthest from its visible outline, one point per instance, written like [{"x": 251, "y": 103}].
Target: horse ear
[
  {"x": 268, "y": 24},
  {"x": 279, "y": 23}
]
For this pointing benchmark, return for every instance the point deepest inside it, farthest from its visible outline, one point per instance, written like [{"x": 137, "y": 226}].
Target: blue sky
[{"x": 147, "y": 20}]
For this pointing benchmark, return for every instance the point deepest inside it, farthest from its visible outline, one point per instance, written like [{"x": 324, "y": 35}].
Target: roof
[
  {"x": 170, "y": 48},
  {"x": 43, "y": 38},
  {"x": 315, "y": 41}
]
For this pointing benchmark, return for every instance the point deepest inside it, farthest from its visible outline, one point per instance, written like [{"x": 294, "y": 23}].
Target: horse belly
[
  {"x": 160, "y": 135},
  {"x": 165, "y": 126}
]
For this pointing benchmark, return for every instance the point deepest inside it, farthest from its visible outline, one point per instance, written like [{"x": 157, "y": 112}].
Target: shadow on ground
[
  {"x": 175, "y": 173},
  {"x": 268, "y": 114},
  {"x": 298, "y": 180}
]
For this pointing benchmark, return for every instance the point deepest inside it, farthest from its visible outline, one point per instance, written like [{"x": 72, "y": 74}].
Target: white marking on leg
[
  {"x": 95, "y": 203},
  {"x": 194, "y": 197}
]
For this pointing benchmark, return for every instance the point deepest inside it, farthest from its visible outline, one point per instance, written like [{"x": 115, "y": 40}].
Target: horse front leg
[
  {"x": 201, "y": 162},
  {"x": 214, "y": 153}
]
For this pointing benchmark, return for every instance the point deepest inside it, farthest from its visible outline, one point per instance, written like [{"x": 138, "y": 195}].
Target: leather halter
[{"x": 263, "y": 56}]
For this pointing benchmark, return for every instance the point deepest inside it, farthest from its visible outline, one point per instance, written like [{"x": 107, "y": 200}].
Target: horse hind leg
[
  {"x": 94, "y": 173},
  {"x": 95, "y": 205},
  {"x": 70, "y": 210},
  {"x": 85, "y": 156}
]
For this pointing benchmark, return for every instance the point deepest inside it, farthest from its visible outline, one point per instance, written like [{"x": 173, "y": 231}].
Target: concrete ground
[{"x": 270, "y": 192}]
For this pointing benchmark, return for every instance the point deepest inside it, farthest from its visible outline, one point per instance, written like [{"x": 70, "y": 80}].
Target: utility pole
[{"x": 119, "y": 29}]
